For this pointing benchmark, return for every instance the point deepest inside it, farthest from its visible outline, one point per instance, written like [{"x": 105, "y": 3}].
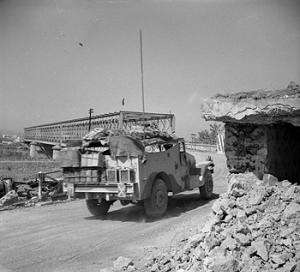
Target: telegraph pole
[
  {"x": 142, "y": 70},
  {"x": 90, "y": 117}
]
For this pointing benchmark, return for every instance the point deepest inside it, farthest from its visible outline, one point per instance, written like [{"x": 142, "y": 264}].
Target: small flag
[{"x": 123, "y": 101}]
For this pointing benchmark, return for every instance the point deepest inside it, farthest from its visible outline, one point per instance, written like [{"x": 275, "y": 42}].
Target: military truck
[{"x": 135, "y": 171}]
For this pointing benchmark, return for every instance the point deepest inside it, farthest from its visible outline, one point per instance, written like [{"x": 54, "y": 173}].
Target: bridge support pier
[
  {"x": 56, "y": 152},
  {"x": 33, "y": 151},
  {"x": 40, "y": 151}
]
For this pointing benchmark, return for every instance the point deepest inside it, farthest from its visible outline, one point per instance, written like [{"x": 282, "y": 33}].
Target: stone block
[{"x": 122, "y": 263}]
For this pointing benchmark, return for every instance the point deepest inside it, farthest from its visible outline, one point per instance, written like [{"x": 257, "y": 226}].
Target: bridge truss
[{"x": 74, "y": 130}]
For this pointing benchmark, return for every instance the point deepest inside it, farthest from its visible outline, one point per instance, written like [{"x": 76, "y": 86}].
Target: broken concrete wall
[
  {"x": 261, "y": 130},
  {"x": 273, "y": 149},
  {"x": 256, "y": 107},
  {"x": 246, "y": 148}
]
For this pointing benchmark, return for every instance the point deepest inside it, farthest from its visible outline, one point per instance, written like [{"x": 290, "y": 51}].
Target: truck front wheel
[
  {"x": 98, "y": 208},
  {"x": 206, "y": 191},
  {"x": 156, "y": 205}
]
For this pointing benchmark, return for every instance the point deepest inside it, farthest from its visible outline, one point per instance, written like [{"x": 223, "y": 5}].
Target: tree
[
  {"x": 210, "y": 136},
  {"x": 204, "y": 137},
  {"x": 215, "y": 129}
]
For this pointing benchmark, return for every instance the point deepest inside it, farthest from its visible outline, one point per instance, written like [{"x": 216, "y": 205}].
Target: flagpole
[{"x": 142, "y": 69}]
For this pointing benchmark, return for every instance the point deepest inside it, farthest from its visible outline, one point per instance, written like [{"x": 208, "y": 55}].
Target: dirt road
[{"x": 64, "y": 237}]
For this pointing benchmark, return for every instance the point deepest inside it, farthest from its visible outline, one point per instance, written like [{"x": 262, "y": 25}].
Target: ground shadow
[{"x": 177, "y": 205}]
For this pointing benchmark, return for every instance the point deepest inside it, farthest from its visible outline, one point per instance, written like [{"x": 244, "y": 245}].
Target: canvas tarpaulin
[{"x": 125, "y": 146}]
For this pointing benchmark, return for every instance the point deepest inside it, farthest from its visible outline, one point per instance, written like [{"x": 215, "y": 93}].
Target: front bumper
[{"x": 108, "y": 191}]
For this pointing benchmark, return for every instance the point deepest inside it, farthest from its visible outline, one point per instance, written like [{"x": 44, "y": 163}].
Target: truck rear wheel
[
  {"x": 156, "y": 205},
  {"x": 206, "y": 191},
  {"x": 98, "y": 208}
]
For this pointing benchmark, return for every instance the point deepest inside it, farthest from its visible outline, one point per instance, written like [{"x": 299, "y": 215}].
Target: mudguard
[{"x": 168, "y": 179}]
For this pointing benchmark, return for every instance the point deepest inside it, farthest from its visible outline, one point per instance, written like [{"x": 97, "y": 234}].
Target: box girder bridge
[{"x": 75, "y": 129}]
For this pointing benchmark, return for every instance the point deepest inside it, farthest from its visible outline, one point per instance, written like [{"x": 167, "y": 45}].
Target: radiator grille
[
  {"x": 111, "y": 175},
  {"x": 124, "y": 176},
  {"x": 120, "y": 175}
]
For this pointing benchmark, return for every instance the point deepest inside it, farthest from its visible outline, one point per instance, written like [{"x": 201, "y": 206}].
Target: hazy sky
[{"x": 192, "y": 50}]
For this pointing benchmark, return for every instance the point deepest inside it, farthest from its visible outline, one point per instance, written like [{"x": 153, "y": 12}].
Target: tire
[
  {"x": 156, "y": 205},
  {"x": 206, "y": 191},
  {"x": 97, "y": 208}
]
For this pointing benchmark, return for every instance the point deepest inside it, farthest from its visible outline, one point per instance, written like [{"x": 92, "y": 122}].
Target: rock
[
  {"x": 241, "y": 181},
  {"x": 252, "y": 268},
  {"x": 130, "y": 268},
  {"x": 270, "y": 180},
  {"x": 248, "y": 252},
  {"x": 228, "y": 231},
  {"x": 33, "y": 193},
  {"x": 276, "y": 216},
  {"x": 261, "y": 249},
  {"x": 297, "y": 247},
  {"x": 199, "y": 253},
  {"x": 291, "y": 211},
  {"x": 220, "y": 206},
  {"x": 9, "y": 198},
  {"x": 229, "y": 243},
  {"x": 256, "y": 197},
  {"x": 252, "y": 219},
  {"x": 290, "y": 266},
  {"x": 285, "y": 183},
  {"x": 242, "y": 228},
  {"x": 280, "y": 258},
  {"x": 222, "y": 262},
  {"x": 34, "y": 199},
  {"x": 233, "y": 212},
  {"x": 122, "y": 263},
  {"x": 243, "y": 239},
  {"x": 287, "y": 242},
  {"x": 208, "y": 225},
  {"x": 241, "y": 215},
  {"x": 287, "y": 231},
  {"x": 210, "y": 242},
  {"x": 236, "y": 192},
  {"x": 265, "y": 222},
  {"x": 196, "y": 239},
  {"x": 289, "y": 194},
  {"x": 23, "y": 189},
  {"x": 154, "y": 267}
]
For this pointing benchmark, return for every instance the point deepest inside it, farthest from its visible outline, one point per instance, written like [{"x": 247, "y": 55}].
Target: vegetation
[{"x": 208, "y": 136}]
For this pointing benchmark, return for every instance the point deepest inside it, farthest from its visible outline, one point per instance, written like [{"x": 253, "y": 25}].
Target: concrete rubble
[
  {"x": 121, "y": 264},
  {"x": 26, "y": 194},
  {"x": 256, "y": 107},
  {"x": 254, "y": 227}
]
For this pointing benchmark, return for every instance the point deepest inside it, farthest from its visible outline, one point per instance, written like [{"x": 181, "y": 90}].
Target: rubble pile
[
  {"x": 254, "y": 227},
  {"x": 27, "y": 193}
]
